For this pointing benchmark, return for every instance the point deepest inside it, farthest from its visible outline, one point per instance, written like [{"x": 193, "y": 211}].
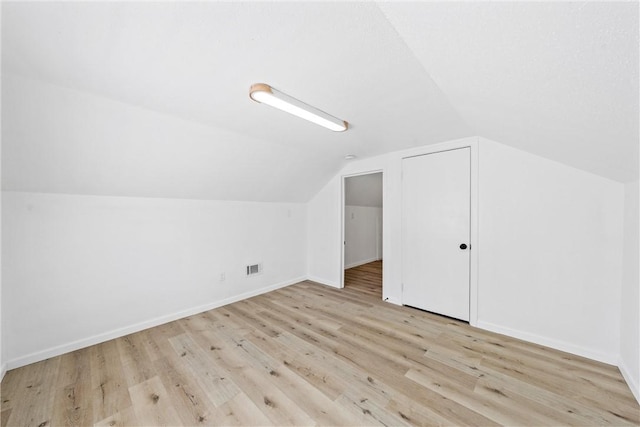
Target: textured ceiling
[
  {"x": 151, "y": 99},
  {"x": 558, "y": 79}
]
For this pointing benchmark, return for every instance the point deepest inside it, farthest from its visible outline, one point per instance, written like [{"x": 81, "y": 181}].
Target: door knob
[{"x": 463, "y": 246}]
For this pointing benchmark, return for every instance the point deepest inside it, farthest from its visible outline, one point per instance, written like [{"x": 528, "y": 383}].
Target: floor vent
[{"x": 254, "y": 269}]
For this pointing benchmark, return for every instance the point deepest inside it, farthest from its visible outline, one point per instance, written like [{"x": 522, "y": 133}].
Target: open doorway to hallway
[
  {"x": 363, "y": 233},
  {"x": 366, "y": 278}
]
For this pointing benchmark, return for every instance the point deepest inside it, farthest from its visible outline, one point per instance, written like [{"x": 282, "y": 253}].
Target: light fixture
[
  {"x": 263, "y": 93},
  {"x": 350, "y": 157}
]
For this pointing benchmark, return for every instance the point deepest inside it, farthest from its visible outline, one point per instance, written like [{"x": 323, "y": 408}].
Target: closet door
[{"x": 436, "y": 203}]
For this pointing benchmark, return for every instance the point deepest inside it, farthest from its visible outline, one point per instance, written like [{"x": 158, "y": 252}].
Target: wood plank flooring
[
  {"x": 366, "y": 278},
  {"x": 309, "y": 354}
]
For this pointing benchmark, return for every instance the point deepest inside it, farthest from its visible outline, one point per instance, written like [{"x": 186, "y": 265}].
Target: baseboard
[
  {"x": 323, "y": 282},
  {"x": 392, "y": 300},
  {"x": 3, "y": 370},
  {"x": 359, "y": 263},
  {"x": 631, "y": 381},
  {"x": 117, "y": 333},
  {"x": 611, "y": 359}
]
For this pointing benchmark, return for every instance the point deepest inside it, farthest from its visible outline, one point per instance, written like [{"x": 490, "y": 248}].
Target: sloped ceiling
[
  {"x": 151, "y": 99},
  {"x": 558, "y": 79}
]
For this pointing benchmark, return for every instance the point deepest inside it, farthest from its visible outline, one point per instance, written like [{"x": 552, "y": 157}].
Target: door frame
[
  {"x": 343, "y": 211},
  {"x": 474, "y": 237}
]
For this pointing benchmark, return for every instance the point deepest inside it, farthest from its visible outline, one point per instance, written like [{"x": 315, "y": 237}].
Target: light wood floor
[
  {"x": 366, "y": 278},
  {"x": 309, "y": 354}
]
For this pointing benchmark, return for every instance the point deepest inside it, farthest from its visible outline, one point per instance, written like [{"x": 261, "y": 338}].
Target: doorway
[{"x": 362, "y": 222}]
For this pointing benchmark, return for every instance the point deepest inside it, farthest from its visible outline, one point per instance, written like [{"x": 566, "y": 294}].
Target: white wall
[
  {"x": 629, "y": 317},
  {"x": 363, "y": 190},
  {"x": 551, "y": 252},
  {"x": 324, "y": 245},
  {"x": 81, "y": 269},
  {"x": 3, "y": 366},
  {"x": 363, "y": 235},
  {"x": 549, "y": 245}
]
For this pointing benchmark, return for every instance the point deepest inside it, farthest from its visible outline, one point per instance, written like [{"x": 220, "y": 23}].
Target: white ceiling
[
  {"x": 555, "y": 79},
  {"x": 558, "y": 79}
]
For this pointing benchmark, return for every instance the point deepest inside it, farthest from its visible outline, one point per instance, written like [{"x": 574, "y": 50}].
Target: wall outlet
[{"x": 222, "y": 277}]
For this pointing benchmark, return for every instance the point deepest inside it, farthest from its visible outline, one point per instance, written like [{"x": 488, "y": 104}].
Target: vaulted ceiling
[{"x": 151, "y": 99}]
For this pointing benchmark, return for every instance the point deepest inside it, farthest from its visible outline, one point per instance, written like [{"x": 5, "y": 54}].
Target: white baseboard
[
  {"x": 3, "y": 370},
  {"x": 359, "y": 263},
  {"x": 391, "y": 300},
  {"x": 631, "y": 381},
  {"x": 323, "y": 282},
  {"x": 106, "y": 336},
  {"x": 611, "y": 359}
]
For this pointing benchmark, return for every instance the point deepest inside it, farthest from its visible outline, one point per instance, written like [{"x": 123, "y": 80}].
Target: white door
[{"x": 436, "y": 204}]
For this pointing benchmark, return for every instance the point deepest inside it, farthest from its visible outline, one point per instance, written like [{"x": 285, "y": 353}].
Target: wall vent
[{"x": 254, "y": 269}]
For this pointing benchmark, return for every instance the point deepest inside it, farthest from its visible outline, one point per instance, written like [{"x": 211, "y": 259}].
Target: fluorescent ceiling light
[{"x": 263, "y": 93}]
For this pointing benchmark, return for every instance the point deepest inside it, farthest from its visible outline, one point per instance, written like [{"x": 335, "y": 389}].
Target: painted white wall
[
  {"x": 629, "y": 317},
  {"x": 324, "y": 245},
  {"x": 549, "y": 239},
  {"x": 363, "y": 235},
  {"x": 3, "y": 366},
  {"x": 363, "y": 190},
  {"x": 551, "y": 253},
  {"x": 82, "y": 269}
]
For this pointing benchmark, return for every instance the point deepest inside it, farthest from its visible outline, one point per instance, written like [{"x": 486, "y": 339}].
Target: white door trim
[{"x": 342, "y": 212}]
